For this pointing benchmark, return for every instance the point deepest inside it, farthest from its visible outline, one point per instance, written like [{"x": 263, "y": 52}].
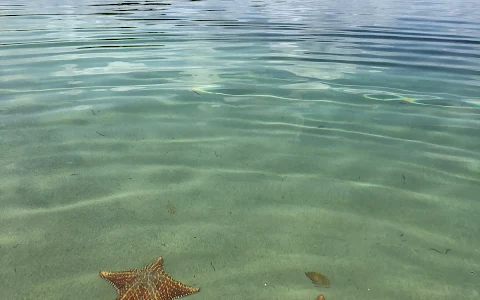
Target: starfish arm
[
  {"x": 157, "y": 265},
  {"x": 172, "y": 289},
  {"x": 119, "y": 279}
]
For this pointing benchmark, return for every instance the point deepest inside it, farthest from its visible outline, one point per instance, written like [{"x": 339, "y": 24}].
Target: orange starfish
[
  {"x": 149, "y": 283},
  {"x": 320, "y": 297}
]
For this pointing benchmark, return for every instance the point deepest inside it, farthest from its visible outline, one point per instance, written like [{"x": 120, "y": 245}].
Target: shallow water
[{"x": 247, "y": 142}]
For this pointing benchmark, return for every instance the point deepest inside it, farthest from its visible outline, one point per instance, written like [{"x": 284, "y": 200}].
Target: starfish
[{"x": 149, "y": 283}]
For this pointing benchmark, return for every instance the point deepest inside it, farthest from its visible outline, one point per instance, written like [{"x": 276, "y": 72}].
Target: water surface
[{"x": 247, "y": 142}]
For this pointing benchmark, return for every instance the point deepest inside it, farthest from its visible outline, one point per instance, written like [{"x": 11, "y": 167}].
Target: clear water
[{"x": 247, "y": 142}]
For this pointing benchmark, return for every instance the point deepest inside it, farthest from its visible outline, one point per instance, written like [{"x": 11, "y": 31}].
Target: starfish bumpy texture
[{"x": 149, "y": 283}]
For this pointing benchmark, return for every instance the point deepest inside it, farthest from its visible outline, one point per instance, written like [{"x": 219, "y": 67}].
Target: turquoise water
[{"x": 247, "y": 142}]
